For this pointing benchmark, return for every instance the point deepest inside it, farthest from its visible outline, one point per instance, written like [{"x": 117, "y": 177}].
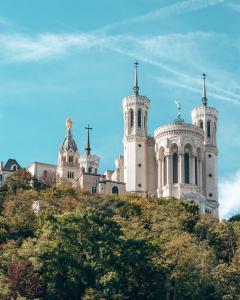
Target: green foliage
[
  {"x": 81, "y": 246},
  {"x": 19, "y": 180}
]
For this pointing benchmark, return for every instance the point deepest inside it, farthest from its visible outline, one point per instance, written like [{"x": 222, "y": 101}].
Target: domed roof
[{"x": 69, "y": 142}]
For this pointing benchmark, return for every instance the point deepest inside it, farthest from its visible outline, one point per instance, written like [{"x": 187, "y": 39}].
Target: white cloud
[
  {"x": 179, "y": 56},
  {"x": 229, "y": 196},
  {"x": 44, "y": 46},
  {"x": 234, "y": 6}
]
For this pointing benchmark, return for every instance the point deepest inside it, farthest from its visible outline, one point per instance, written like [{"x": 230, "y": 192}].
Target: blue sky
[{"x": 75, "y": 58}]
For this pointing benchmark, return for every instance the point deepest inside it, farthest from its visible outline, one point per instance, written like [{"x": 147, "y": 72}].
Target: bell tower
[
  {"x": 135, "y": 112},
  {"x": 206, "y": 117},
  {"x": 68, "y": 169}
]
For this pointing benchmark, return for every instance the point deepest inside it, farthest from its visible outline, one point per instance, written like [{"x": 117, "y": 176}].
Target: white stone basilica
[{"x": 180, "y": 160}]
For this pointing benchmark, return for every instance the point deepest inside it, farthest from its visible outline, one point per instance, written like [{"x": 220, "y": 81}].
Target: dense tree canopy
[{"x": 62, "y": 243}]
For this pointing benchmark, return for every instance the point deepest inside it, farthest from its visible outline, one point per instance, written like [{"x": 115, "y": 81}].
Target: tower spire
[
  {"x": 88, "y": 148},
  {"x": 136, "y": 87},
  {"x": 204, "y": 97}
]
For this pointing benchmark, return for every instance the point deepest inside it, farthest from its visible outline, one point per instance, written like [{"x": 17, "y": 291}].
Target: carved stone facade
[{"x": 180, "y": 160}]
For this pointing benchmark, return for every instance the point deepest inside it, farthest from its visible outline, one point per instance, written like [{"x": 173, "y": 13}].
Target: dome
[{"x": 69, "y": 142}]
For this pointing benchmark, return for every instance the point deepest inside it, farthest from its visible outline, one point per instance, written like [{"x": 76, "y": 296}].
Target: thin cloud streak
[
  {"x": 191, "y": 88},
  {"x": 163, "y": 12}
]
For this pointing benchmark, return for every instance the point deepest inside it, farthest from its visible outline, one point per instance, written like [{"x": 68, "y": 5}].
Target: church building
[{"x": 179, "y": 160}]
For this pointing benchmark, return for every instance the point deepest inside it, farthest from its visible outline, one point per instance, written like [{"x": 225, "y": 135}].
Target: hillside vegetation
[{"x": 81, "y": 246}]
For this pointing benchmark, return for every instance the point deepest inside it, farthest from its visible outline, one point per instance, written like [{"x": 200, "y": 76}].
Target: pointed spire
[
  {"x": 88, "y": 148},
  {"x": 136, "y": 87},
  {"x": 204, "y": 97}
]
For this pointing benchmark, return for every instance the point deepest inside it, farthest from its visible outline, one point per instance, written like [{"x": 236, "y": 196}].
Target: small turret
[
  {"x": 206, "y": 117},
  {"x": 89, "y": 163}
]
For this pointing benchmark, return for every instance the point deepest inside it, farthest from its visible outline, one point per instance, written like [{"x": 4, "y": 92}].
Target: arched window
[
  {"x": 165, "y": 170},
  {"x": 196, "y": 171},
  {"x": 186, "y": 168},
  {"x": 14, "y": 168},
  {"x": 208, "y": 129},
  {"x": 175, "y": 167},
  {"x": 131, "y": 118},
  {"x": 115, "y": 190},
  {"x": 201, "y": 124},
  {"x": 90, "y": 170},
  {"x": 139, "y": 118},
  {"x": 45, "y": 173}
]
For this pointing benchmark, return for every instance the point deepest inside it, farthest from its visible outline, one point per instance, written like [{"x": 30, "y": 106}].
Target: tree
[
  {"x": 188, "y": 265},
  {"x": 220, "y": 236},
  {"x": 19, "y": 180},
  {"x": 234, "y": 218},
  {"x": 24, "y": 281},
  {"x": 73, "y": 251},
  {"x": 18, "y": 218}
]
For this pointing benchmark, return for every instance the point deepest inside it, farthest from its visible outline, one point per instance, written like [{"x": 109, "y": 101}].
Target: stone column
[
  {"x": 168, "y": 160},
  {"x": 160, "y": 178},
  {"x": 192, "y": 180},
  {"x": 200, "y": 173},
  {"x": 181, "y": 168}
]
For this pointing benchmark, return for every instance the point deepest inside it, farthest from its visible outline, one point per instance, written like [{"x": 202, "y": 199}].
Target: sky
[{"x": 74, "y": 58}]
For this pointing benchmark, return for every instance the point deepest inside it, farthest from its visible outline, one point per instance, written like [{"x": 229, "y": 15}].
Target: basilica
[{"x": 179, "y": 160}]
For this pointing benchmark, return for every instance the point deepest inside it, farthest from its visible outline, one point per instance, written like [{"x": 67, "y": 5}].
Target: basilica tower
[
  {"x": 135, "y": 112},
  {"x": 206, "y": 118},
  {"x": 68, "y": 169}
]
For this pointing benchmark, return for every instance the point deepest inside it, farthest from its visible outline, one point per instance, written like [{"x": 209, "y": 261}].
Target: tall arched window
[
  {"x": 115, "y": 190},
  {"x": 196, "y": 171},
  {"x": 208, "y": 129},
  {"x": 201, "y": 124},
  {"x": 131, "y": 118},
  {"x": 175, "y": 167},
  {"x": 186, "y": 168},
  {"x": 165, "y": 171},
  {"x": 139, "y": 118}
]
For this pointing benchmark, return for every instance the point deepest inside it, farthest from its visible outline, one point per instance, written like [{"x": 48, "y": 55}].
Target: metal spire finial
[
  {"x": 179, "y": 119},
  {"x": 136, "y": 87},
  {"x": 88, "y": 148},
  {"x": 204, "y": 97}
]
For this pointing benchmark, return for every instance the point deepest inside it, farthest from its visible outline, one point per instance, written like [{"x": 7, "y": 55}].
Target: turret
[
  {"x": 206, "y": 117},
  {"x": 89, "y": 163},
  {"x": 135, "y": 112}
]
